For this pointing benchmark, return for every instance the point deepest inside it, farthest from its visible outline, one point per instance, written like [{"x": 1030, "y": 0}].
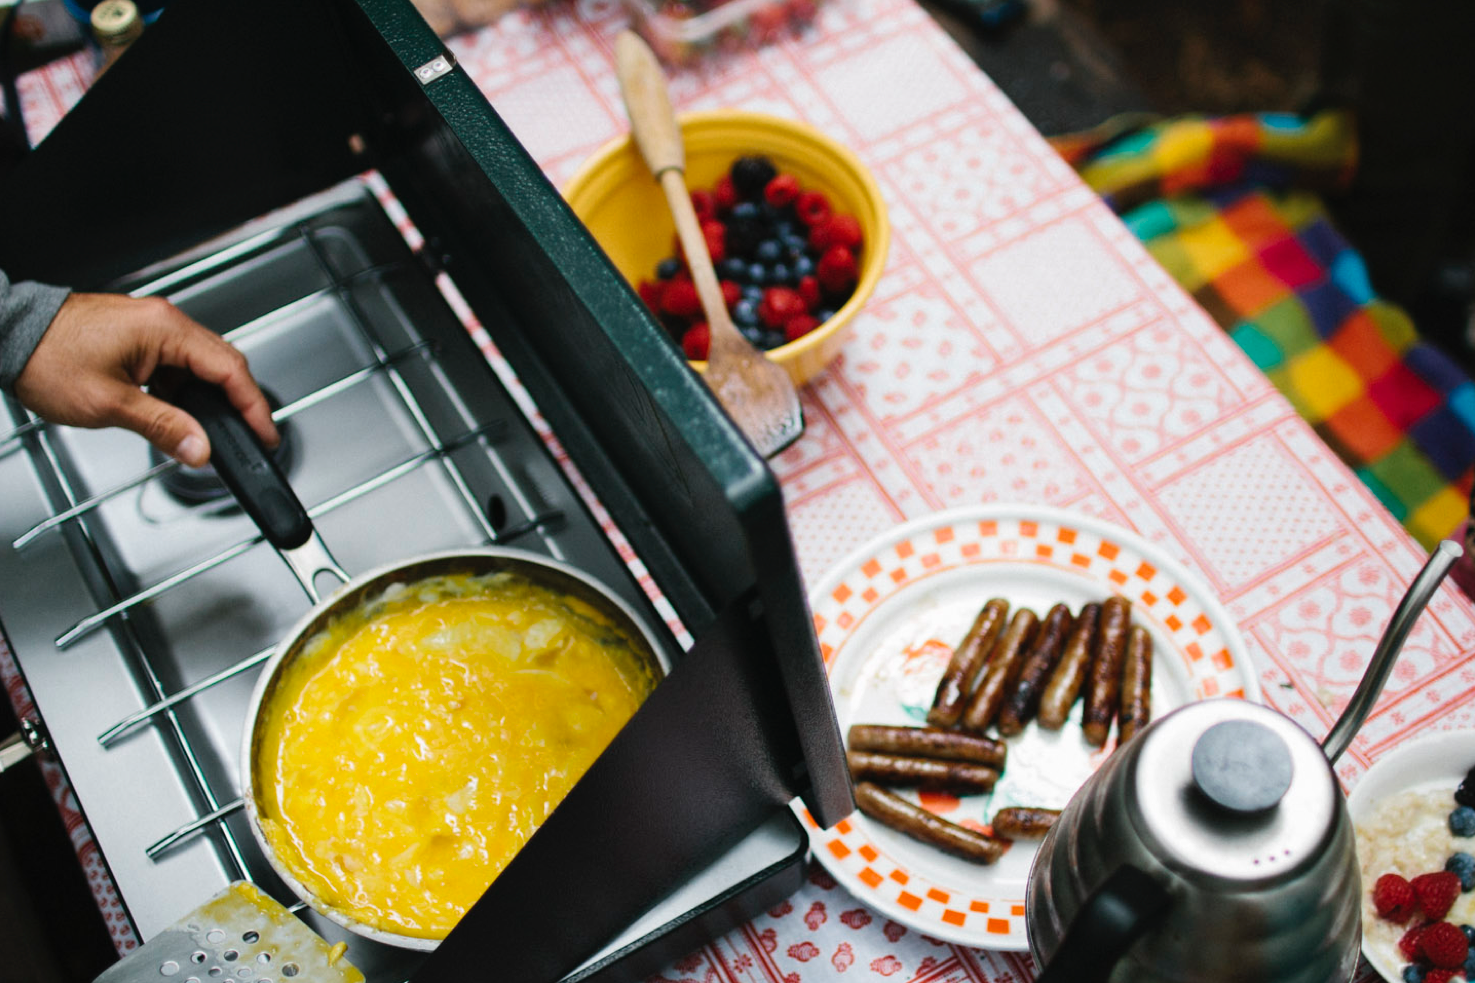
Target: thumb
[{"x": 167, "y": 427}]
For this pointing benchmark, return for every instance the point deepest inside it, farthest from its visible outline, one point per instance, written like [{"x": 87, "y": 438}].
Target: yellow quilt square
[
  {"x": 1213, "y": 247},
  {"x": 1323, "y": 382}
]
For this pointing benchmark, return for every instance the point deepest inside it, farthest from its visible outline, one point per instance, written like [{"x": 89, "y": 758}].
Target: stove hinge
[{"x": 18, "y": 747}]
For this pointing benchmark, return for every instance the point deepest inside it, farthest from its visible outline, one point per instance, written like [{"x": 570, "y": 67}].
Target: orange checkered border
[
  {"x": 1155, "y": 595},
  {"x": 1204, "y": 647}
]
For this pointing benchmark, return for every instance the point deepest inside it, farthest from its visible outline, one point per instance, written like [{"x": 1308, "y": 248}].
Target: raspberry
[
  {"x": 782, "y": 190},
  {"x": 809, "y": 291},
  {"x": 1393, "y": 897},
  {"x": 1436, "y": 893},
  {"x": 751, "y": 174},
  {"x": 1444, "y": 945},
  {"x": 812, "y": 208},
  {"x": 724, "y": 195},
  {"x": 1408, "y": 943},
  {"x": 731, "y": 293},
  {"x": 695, "y": 341},
  {"x": 837, "y": 269},
  {"x": 704, "y": 205},
  {"x": 797, "y": 327},
  {"x": 680, "y": 298},
  {"x": 716, "y": 235},
  {"x": 839, "y": 230},
  {"x": 779, "y": 305},
  {"x": 1439, "y": 976},
  {"x": 650, "y": 292}
]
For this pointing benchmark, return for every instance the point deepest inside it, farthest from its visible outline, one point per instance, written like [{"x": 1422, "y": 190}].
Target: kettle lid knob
[{"x": 1242, "y": 766}]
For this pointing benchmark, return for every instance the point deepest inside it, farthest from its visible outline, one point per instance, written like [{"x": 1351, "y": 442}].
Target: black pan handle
[{"x": 245, "y": 466}]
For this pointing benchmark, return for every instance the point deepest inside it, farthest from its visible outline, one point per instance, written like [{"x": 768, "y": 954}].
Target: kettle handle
[{"x": 1119, "y": 911}]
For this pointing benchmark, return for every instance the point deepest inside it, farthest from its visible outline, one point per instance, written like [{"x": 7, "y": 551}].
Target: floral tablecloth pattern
[{"x": 1021, "y": 346}]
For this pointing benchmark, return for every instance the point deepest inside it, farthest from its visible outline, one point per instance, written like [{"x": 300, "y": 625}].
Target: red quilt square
[
  {"x": 1289, "y": 263},
  {"x": 1403, "y": 396}
]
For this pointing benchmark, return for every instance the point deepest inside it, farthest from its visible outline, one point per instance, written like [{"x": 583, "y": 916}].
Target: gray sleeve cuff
[{"x": 26, "y": 310}]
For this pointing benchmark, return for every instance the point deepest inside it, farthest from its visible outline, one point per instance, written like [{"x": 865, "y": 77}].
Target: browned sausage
[
  {"x": 1003, "y": 666},
  {"x": 958, "y": 777},
  {"x": 928, "y": 742},
  {"x": 1136, "y": 704},
  {"x": 1023, "y": 698},
  {"x": 967, "y": 663},
  {"x": 1024, "y": 823},
  {"x": 1070, "y": 672},
  {"x": 1104, "y": 679},
  {"x": 916, "y": 822}
]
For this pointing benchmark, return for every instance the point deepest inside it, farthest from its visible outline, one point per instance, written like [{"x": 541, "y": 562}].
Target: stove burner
[{"x": 200, "y": 486}]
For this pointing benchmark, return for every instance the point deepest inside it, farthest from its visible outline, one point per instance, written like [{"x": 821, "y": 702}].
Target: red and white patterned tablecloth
[{"x": 1021, "y": 346}]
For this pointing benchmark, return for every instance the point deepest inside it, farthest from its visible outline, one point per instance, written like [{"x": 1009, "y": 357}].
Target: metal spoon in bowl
[{"x": 757, "y": 394}]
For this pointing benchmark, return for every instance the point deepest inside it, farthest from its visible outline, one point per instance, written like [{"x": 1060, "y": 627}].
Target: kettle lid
[{"x": 1229, "y": 789}]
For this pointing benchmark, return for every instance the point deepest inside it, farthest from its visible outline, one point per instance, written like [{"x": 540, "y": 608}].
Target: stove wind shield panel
[{"x": 402, "y": 442}]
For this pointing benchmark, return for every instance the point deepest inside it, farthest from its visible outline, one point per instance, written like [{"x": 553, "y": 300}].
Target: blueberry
[
  {"x": 1465, "y": 794},
  {"x": 1462, "y": 865},
  {"x": 1462, "y": 821},
  {"x": 750, "y": 175},
  {"x": 824, "y": 314},
  {"x": 744, "y": 211},
  {"x": 1413, "y": 974},
  {"x": 1469, "y": 931},
  {"x": 803, "y": 266},
  {"x": 743, "y": 236},
  {"x": 795, "y": 245},
  {"x": 755, "y": 294},
  {"x": 733, "y": 268},
  {"x": 753, "y": 333},
  {"x": 772, "y": 339},
  {"x": 1469, "y": 966},
  {"x": 785, "y": 229},
  {"x": 758, "y": 274},
  {"x": 745, "y": 313},
  {"x": 768, "y": 251},
  {"x": 668, "y": 267}
]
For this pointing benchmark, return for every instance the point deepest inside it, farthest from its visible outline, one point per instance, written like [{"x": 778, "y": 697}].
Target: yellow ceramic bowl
[{"x": 615, "y": 196}]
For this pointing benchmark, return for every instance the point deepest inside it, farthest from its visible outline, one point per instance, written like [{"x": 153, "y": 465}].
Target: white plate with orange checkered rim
[{"x": 887, "y": 618}]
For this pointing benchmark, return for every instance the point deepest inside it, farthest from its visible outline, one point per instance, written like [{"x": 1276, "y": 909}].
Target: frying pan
[{"x": 264, "y": 494}]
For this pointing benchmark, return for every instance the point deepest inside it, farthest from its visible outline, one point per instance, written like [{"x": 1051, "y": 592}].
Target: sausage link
[
  {"x": 1023, "y": 822},
  {"x": 1023, "y": 698},
  {"x": 1136, "y": 704},
  {"x": 967, "y": 663},
  {"x": 899, "y": 814},
  {"x": 1070, "y": 672},
  {"x": 1003, "y": 666},
  {"x": 1105, "y": 676},
  {"x": 929, "y": 742},
  {"x": 957, "y": 777}
]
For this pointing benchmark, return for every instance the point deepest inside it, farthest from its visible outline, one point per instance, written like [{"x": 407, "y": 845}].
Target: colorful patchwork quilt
[{"x": 1231, "y": 207}]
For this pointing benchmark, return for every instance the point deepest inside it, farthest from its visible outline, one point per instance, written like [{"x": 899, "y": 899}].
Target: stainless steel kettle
[{"x": 1213, "y": 846}]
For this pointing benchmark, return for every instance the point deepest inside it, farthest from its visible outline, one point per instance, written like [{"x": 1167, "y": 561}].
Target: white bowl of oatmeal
[{"x": 1400, "y": 809}]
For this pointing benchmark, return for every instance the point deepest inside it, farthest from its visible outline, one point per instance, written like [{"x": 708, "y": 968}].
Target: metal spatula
[
  {"x": 757, "y": 394},
  {"x": 239, "y": 936}
]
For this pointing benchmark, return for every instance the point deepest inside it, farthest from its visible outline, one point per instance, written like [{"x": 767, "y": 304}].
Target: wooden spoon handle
[
  {"x": 651, "y": 120},
  {"x": 694, "y": 244}
]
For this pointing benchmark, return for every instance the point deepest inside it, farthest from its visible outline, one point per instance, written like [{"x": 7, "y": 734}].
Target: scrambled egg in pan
[{"x": 412, "y": 747}]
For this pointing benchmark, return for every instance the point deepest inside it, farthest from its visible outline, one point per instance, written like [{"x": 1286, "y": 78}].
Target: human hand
[{"x": 100, "y": 350}]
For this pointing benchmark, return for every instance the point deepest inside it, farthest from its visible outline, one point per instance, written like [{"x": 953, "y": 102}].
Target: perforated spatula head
[{"x": 242, "y": 935}]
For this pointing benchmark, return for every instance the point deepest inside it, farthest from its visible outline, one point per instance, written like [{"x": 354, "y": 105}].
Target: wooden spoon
[{"x": 757, "y": 394}]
